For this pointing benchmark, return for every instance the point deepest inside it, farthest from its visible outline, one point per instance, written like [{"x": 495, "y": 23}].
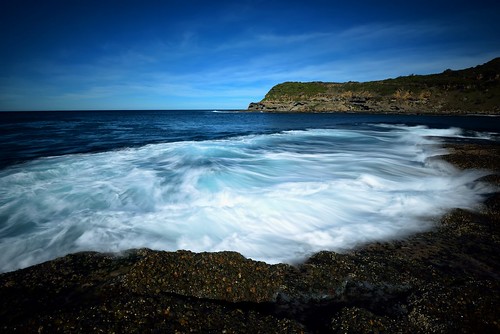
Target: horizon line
[{"x": 84, "y": 110}]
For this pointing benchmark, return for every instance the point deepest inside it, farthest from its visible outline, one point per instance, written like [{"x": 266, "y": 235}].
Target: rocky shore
[
  {"x": 442, "y": 281},
  {"x": 363, "y": 104}
]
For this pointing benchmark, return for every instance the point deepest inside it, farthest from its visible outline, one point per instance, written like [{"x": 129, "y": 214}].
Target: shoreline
[
  {"x": 445, "y": 280},
  {"x": 368, "y": 112}
]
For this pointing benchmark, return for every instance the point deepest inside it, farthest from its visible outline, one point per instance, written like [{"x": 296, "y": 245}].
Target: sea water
[{"x": 274, "y": 187}]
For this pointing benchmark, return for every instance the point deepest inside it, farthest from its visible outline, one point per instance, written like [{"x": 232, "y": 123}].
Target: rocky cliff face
[{"x": 470, "y": 91}]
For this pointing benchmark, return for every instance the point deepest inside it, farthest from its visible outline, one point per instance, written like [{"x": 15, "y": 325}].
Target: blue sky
[{"x": 72, "y": 54}]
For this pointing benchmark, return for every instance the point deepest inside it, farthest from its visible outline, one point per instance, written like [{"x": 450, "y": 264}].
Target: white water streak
[{"x": 276, "y": 198}]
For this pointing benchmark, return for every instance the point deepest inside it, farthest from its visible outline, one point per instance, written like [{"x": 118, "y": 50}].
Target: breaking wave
[{"x": 274, "y": 197}]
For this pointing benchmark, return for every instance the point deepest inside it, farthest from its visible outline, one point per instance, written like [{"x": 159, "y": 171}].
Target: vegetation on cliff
[{"x": 472, "y": 90}]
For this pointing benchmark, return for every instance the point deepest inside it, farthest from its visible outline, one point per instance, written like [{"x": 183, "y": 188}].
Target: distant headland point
[{"x": 474, "y": 90}]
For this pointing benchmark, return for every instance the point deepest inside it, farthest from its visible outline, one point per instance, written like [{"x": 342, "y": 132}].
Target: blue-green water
[{"x": 274, "y": 187}]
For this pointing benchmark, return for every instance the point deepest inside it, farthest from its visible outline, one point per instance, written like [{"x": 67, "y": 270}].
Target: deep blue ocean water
[{"x": 274, "y": 187}]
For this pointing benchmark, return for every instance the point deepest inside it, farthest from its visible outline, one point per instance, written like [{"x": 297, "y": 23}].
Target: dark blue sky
[{"x": 185, "y": 54}]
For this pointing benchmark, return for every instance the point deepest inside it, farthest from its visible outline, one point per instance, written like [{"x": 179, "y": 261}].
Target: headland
[{"x": 473, "y": 90}]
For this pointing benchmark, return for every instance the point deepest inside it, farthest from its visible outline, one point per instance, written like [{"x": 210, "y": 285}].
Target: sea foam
[{"x": 274, "y": 197}]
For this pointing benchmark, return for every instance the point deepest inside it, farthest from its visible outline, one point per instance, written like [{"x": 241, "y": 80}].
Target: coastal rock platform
[{"x": 441, "y": 281}]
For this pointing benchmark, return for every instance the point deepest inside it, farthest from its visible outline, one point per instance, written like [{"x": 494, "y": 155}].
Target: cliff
[{"x": 473, "y": 90}]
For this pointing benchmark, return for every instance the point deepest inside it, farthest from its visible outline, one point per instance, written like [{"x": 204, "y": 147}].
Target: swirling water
[{"x": 274, "y": 187}]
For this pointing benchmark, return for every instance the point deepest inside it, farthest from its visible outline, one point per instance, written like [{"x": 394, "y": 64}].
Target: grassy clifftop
[{"x": 472, "y": 90}]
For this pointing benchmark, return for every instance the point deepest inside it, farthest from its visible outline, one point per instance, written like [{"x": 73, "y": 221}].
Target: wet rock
[
  {"x": 226, "y": 276},
  {"x": 143, "y": 291},
  {"x": 483, "y": 155},
  {"x": 357, "y": 320},
  {"x": 465, "y": 308}
]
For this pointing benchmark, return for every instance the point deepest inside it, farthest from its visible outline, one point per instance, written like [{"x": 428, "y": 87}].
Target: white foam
[{"x": 276, "y": 198}]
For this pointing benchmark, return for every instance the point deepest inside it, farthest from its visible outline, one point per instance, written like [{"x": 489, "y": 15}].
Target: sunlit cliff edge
[{"x": 474, "y": 90}]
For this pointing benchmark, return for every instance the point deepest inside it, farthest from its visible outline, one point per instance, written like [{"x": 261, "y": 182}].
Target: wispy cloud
[{"x": 186, "y": 70}]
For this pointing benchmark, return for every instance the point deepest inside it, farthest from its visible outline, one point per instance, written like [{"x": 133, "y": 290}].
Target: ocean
[{"x": 273, "y": 187}]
